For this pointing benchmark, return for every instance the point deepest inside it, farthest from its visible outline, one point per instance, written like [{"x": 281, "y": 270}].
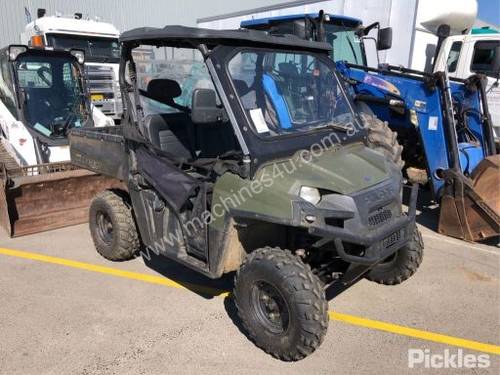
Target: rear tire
[
  {"x": 281, "y": 303},
  {"x": 402, "y": 265},
  {"x": 380, "y": 137},
  {"x": 112, "y": 227}
]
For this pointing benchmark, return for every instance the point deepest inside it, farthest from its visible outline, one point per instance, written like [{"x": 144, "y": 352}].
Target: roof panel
[
  {"x": 291, "y": 17},
  {"x": 188, "y": 36}
]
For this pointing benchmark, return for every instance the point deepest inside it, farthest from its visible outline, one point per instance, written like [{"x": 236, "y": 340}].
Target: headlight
[{"x": 310, "y": 194}]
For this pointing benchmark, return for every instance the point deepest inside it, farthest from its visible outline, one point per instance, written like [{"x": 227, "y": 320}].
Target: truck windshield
[
  {"x": 289, "y": 92},
  {"x": 346, "y": 45},
  {"x": 103, "y": 50},
  {"x": 52, "y": 96}
]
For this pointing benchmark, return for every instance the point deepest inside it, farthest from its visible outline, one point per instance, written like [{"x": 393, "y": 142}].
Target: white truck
[
  {"x": 477, "y": 52},
  {"x": 98, "y": 39}
]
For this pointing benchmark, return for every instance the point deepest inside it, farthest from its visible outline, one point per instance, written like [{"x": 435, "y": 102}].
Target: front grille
[
  {"x": 379, "y": 217},
  {"x": 392, "y": 239},
  {"x": 99, "y": 78}
]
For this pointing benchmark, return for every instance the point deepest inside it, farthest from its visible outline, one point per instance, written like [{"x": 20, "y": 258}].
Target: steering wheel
[{"x": 42, "y": 71}]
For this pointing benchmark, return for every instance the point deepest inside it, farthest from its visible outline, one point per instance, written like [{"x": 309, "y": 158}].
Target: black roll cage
[{"x": 256, "y": 150}]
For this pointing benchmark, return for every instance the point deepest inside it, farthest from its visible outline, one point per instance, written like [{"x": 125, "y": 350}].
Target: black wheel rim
[
  {"x": 105, "y": 227},
  {"x": 271, "y": 309}
]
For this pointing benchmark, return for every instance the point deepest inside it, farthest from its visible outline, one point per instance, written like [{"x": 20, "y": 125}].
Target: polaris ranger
[{"x": 224, "y": 182}]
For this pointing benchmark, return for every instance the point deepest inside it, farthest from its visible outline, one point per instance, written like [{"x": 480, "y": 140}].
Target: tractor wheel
[
  {"x": 281, "y": 303},
  {"x": 112, "y": 227},
  {"x": 380, "y": 137},
  {"x": 401, "y": 265}
]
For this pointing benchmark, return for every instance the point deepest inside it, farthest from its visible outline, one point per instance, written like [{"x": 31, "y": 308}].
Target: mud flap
[
  {"x": 470, "y": 207},
  {"x": 45, "y": 197}
]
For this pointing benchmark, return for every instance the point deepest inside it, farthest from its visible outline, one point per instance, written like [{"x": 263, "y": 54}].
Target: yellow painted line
[
  {"x": 153, "y": 279},
  {"x": 345, "y": 318},
  {"x": 415, "y": 333}
]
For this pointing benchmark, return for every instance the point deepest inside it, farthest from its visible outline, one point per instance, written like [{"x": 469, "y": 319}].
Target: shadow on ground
[
  {"x": 427, "y": 209},
  {"x": 190, "y": 279}
]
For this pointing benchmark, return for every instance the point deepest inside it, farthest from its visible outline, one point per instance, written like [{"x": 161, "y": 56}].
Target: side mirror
[
  {"x": 15, "y": 50},
  {"x": 384, "y": 39},
  {"x": 79, "y": 55},
  {"x": 204, "y": 108}
]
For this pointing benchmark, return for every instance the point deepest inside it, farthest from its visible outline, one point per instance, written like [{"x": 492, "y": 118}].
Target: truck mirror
[
  {"x": 443, "y": 31},
  {"x": 204, "y": 109},
  {"x": 79, "y": 55},
  {"x": 16, "y": 50},
  {"x": 384, "y": 39}
]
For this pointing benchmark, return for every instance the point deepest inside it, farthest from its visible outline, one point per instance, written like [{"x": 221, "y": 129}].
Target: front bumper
[{"x": 378, "y": 244}]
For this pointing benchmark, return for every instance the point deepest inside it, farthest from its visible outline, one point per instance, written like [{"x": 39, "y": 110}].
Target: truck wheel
[
  {"x": 281, "y": 303},
  {"x": 380, "y": 137},
  {"x": 112, "y": 227},
  {"x": 400, "y": 266}
]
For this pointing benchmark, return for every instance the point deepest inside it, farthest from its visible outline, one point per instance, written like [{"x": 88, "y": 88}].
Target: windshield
[
  {"x": 52, "y": 97},
  {"x": 346, "y": 45},
  {"x": 288, "y": 92},
  {"x": 103, "y": 50}
]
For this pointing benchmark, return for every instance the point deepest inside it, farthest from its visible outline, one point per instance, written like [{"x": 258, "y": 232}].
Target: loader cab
[
  {"x": 346, "y": 35},
  {"x": 48, "y": 91}
]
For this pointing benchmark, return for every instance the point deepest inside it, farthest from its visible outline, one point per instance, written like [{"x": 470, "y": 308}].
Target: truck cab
[
  {"x": 477, "y": 52},
  {"x": 99, "y": 41}
]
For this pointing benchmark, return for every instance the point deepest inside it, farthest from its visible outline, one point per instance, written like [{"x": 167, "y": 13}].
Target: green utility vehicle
[{"x": 221, "y": 183}]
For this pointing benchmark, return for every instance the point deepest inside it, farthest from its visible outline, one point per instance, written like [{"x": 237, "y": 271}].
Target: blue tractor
[{"x": 439, "y": 130}]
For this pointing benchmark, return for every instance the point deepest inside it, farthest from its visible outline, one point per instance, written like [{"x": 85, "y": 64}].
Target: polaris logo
[{"x": 379, "y": 195}]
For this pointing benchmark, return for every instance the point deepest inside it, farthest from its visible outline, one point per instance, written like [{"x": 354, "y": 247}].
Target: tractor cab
[
  {"x": 44, "y": 90},
  {"x": 345, "y": 35}
]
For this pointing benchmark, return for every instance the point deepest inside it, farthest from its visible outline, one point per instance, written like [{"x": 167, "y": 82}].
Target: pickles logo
[{"x": 447, "y": 359}]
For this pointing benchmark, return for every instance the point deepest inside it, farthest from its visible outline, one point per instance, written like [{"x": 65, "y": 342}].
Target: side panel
[{"x": 18, "y": 138}]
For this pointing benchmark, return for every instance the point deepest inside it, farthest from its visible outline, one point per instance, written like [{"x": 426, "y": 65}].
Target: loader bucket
[
  {"x": 470, "y": 207},
  {"x": 45, "y": 197}
]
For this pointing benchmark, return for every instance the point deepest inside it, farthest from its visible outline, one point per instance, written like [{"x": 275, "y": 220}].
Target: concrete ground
[{"x": 58, "y": 319}]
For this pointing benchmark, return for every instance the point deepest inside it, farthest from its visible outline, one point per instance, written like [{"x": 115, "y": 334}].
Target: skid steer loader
[
  {"x": 43, "y": 96},
  {"x": 442, "y": 124}
]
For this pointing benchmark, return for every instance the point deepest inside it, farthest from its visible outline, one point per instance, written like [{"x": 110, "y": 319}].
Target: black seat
[
  {"x": 172, "y": 133},
  {"x": 169, "y": 132}
]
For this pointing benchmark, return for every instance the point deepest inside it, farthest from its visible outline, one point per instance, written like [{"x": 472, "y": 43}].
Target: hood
[{"x": 345, "y": 170}]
